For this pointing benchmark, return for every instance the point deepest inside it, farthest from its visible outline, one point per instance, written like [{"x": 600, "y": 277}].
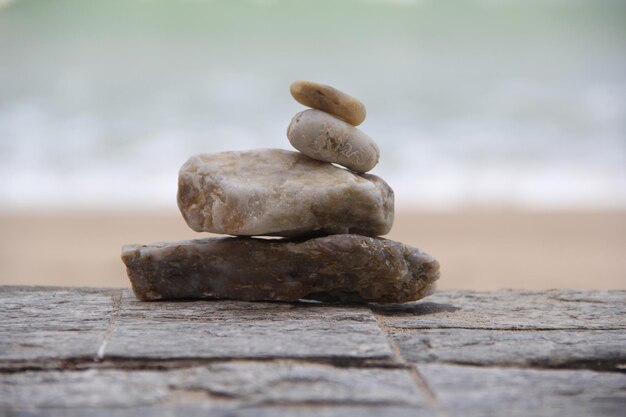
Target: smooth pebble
[
  {"x": 330, "y": 100},
  {"x": 323, "y": 137}
]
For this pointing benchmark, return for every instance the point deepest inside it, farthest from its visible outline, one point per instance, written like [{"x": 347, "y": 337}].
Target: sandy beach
[{"x": 477, "y": 250}]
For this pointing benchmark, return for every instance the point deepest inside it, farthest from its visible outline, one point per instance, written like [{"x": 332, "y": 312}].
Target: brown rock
[
  {"x": 350, "y": 268},
  {"x": 326, "y": 98},
  {"x": 280, "y": 193}
]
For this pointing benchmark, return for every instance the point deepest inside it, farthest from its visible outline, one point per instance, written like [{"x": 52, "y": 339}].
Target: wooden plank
[
  {"x": 234, "y": 388},
  {"x": 483, "y": 392},
  {"x": 595, "y": 349},
  {"x": 556, "y": 309},
  {"x": 72, "y": 351},
  {"x": 51, "y": 322},
  {"x": 231, "y": 329}
]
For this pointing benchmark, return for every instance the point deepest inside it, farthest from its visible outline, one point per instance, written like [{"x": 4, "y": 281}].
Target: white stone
[
  {"x": 280, "y": 193},
  {"x": 326, "y": 138}
]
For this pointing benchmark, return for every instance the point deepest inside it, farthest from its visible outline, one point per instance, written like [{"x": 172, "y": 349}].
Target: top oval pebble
[{"x": 330, "y": 100}]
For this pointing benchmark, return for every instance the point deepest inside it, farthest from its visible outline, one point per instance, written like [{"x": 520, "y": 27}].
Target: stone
[
  {"x": 280, "y": 193},
  {"x": 347, "y": 268},
  {"x": 323, "y": 137},
  {"x": 330, "y": 100}
]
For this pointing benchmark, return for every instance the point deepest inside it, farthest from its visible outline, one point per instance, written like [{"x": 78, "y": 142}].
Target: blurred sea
[{"x": 476, "y": 104}]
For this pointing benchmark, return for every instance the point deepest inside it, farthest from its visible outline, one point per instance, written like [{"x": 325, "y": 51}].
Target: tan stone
[
  {"x": 350, "y": 268},
  {"x": 280, "y": 193},
  {"x": 326, "y": 138},
  {"x": 328, "y": 99}
]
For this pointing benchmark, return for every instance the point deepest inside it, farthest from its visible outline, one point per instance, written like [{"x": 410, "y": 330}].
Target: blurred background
[{"x": 502, "y": 125}]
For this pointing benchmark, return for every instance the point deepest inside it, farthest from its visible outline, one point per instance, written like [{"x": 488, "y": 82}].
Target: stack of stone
[{"x": 329, "y": 217}]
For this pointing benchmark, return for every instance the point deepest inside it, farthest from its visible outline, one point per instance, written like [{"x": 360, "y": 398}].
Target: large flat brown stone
[{"x": 332, "y": 268}]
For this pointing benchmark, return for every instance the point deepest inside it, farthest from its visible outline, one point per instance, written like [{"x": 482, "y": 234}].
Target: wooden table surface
[{"x": 100, "y": 352}]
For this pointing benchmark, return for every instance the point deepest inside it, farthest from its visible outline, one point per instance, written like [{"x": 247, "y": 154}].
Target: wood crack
[
  {"x": 419, "y": 382},
  {"x": 159, "y": 364},
  {"x": 116, "y": 303},
  {"x": 508, "y": 329}
]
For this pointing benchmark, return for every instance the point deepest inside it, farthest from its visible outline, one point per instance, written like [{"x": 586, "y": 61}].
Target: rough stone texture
[
  {"x": 228, "y": 358},
  {"x": 281, "y": 193},
  {"x": 230, "y": 329},
  {"x": 555, "y": 309},
  {"x": 599, "y": 349},
  {"x": 37, "y": 323},
  {"x": 330, "y": 100},
  {"x": 337, "y": 267},
  {"x": 321, "y": 136},
  {"x": 483, "y": 392}
]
